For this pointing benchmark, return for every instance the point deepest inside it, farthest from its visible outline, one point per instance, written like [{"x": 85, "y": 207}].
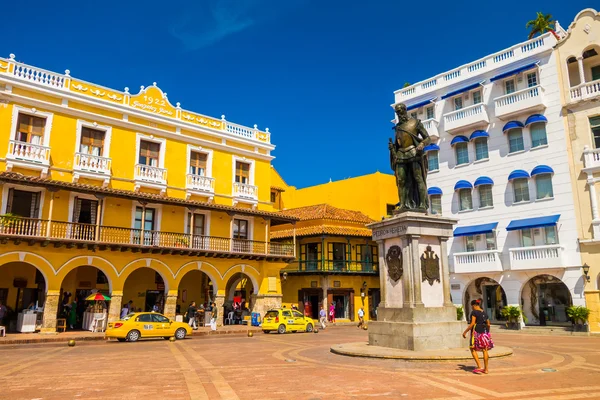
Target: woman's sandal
[{"x": 477, "y": 371}]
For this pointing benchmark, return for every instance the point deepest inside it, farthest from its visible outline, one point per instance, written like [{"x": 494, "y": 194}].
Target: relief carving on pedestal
[
  {"x": 393, "y": 260},
  {"x": 430, "y": 266}
]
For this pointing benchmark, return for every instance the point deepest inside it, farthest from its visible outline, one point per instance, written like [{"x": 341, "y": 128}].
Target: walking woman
[{"x": 481, "y": 339}]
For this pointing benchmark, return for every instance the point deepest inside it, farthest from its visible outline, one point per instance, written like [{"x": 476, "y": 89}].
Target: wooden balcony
[
  {"x": 69, "y": 234},
  {"x": 333, "y": 267}
]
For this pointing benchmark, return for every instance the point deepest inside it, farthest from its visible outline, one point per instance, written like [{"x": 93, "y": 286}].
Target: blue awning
[
  {"x": 463, "y": 185},
  {"x": 513, "y": 72},
  {"x": 542, "y": 169},
  {"x": 512, "y": 125},
  {"x": 475, "y": 229},
  {"x": 535, "y": 118},
  {"x": 434, "y": 190},
  {"x": 518, "y": 173},
  {"x": 462, "y": 90},
  {"x": 483, "y": 180},
  {"x": 431, "y": 147},
  {"x": 419, "y": 105},
  {"x": 478, "y": 134},
  {"x": 459, "y": 139},
  {"x": 538, "y": 222}
]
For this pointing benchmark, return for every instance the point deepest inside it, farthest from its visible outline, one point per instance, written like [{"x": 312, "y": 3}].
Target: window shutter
[
  {"x": 9, "y": 200},
  {"x": 93, "y": 211},
  {"x": 35, "y": 205},
  {"x": 76, "y": 209}
]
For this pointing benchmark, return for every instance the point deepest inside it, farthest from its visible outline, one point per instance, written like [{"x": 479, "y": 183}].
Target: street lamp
[{"x": 586, "y": 270}]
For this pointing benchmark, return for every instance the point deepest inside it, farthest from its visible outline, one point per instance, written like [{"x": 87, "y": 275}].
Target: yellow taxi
[
  {"x": 144, "y": 325},
  {"x": 283, "y": 320}
]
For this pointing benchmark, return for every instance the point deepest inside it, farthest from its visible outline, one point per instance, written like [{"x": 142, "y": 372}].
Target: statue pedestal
[{"x": 415, "y": 312}]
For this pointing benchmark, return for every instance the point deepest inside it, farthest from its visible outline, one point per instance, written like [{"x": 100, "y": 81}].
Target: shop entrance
[
  {"x": 491, "y": 295},
  {"x": 545, "y": 300},
  {"x": 343, "y": 302},
  {"x": 195, "y": 286},
  {"x": 237, "y": 300},
  {"x": 145, "y": 288},
  {"x": 312, "y": 301},
  {"x": 374, "y": 300},
  {"x": 23, "y": 293}
]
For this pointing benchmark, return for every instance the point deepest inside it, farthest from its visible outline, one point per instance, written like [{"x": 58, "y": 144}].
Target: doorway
[{"x": 494, "y": 301}]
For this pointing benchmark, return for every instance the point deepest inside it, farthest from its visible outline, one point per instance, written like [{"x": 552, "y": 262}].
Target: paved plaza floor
[{"x": 292, "y": 366}]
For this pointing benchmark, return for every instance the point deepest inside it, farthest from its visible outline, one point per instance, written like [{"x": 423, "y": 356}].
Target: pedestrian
[
  {"x": 323, "y": 317},
  {"x": 155, "y": 308},
  {"x": 191, "y": 315},
  {"x": 480, "y": 340},
  {"x": 3, "y": 312},
  {"x": 73, "y": 315},
  {"x": 332, "y": 313},
  {"x": 213, "y": 317},
  {"x": 124, "y": 311},
  {"x": 361, "y": 317}
]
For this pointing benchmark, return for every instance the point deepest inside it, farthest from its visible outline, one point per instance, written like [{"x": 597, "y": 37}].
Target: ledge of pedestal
[{"x": 363, "y": 349}]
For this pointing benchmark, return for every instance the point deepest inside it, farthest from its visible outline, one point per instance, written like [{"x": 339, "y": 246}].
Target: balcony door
[
  {"x": 242, "y": 172},
  {"x": 92, "y": 142},
  {"x": 312, "y": 256},
  {"x": 337, "y": 255},
  {"x": 149, "y": 153},
  {"x": 240, "y": 236},
  {"x": 149, "y": 225},
  {"x": 199, "y": 240},
  {"x": 30, "y": 129},
  {"x": 198, "y": 163},
  {"x": 21, "y": 203},
  {"x": 84, "y": 218}
]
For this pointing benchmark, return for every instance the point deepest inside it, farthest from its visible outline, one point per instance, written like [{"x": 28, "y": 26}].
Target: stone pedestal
[
  {"x": 170, "y": 304},
  {"x": 114, "y": 310},
  {"x": 415, "y": 312},
  {"x": 50, "y": 311},
  {"x": 219, "y": 302}
]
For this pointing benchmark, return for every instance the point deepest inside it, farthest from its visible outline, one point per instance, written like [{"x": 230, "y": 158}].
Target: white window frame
[
  {"x": 34, "y": 113},
  {"x": 462, "y": 103},
  {"x": 479, "y": 196},
  {"x": 72, "y": 196},
  {"x": 206, "y": 221},
  {"x": 7, "y": 186},
  {"x": 507, "y": 134},
  {"x": 247, "y": 161},
  {"x": 504, "y": 83},
  {"x": 544, "y": 175},
  {"x": 480, "y": 96},
  {"x": 250, "y": 226},
  {"x": 441, "y": 204},
  {"x": 150, "y": 138},
  {"x": 93, "y": 125},
  {"x": 209, "y": 159},
  {"x": 432, "y": 112},
  {"x": 537, "y": 80},
  {"x": 514, "y": 191},
  {"x": 157, "y": 207},
  {"x": 478, "y": 140},
  {"x": 437, "y": 155},
  {"x": 460, "y": 203},
  {"x": 456, "y": 146},
  {"x": 542, "y": 235}
]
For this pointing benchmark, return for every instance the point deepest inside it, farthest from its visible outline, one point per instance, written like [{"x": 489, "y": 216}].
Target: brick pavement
[{"x": 292, "y": 366}]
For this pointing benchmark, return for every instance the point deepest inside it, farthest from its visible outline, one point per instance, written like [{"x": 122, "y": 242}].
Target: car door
[
  {"x": 163, "y": 325},
  {"x": 299, "y": 321},
  {"x": 146, "y": 325},
  {"x": 288, "y": 319}
]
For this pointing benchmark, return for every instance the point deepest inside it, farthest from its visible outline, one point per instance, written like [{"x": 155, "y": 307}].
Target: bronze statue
[{"x": 409, "y": 162}]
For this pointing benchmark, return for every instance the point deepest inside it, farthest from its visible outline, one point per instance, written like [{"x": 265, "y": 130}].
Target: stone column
[
  {"x": 408, "y": 297},
  {"x": 265, "y": 302},
  {"x": 593, "y": 199},
  {"x": 114, "y": 311},
  {"x": 445, "y": 270},
  {"x": 219, "y": 301},
  {"x": 50, "y": 311},
  {"x": 581, "y": 72},
  {"x": 383, "y": 273},
  {"x": 414, "y": 246},
  {"x": 170, "y": 304}
]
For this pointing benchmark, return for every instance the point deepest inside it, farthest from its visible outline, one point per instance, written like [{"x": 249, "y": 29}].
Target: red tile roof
[
  {"x": 326, "y": 211},
  {"x": 322, "y": 230}
]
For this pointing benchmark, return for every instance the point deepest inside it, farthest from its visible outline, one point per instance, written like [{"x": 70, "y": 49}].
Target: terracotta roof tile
[
  {"x": 13, "y": 177},
  {"x": 326, "y": 211},
  {"x": 322, "y": 230},
  {"x": 277, "y": 188}
]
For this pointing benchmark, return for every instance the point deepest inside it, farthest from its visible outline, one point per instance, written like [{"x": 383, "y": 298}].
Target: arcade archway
[
  {"x": 145, "y": 288},
  {"x": 544, "y": 299},
  {"x": 491, "y": 294}
]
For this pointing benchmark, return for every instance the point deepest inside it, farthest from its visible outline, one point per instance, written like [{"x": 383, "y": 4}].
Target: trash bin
[{"x": 255, "y": 320}]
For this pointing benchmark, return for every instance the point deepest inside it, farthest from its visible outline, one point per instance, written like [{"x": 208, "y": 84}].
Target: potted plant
[
  {"x": 7, "y": 223},
  {"x": 513, "y": 315},
  {"x": 460, "y": 313},
  {"x": 579, "y": 315}
]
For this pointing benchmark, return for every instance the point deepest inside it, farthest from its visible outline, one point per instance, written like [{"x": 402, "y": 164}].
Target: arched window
[
  {"x": 433, "y": 160},
  {"x": 435, "y": 203},
  {"x": 481, "y": 149},
  {"x": 485, "y": 196},
  {"x": 537, "y": 127},
  {"x": 543, "y": 186},
  {"x": 462, "y": 153},
  {"x": 465, "y": 199},
  {"x": 521, "y": 189}
]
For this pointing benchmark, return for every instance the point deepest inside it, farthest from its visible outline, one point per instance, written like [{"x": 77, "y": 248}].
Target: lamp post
[{"x": 586, "y": 270}]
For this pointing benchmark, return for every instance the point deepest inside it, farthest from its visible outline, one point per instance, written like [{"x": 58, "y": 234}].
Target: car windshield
[
  {"x": 128, "y": 317},
  {"x": 272, "y": 314}
]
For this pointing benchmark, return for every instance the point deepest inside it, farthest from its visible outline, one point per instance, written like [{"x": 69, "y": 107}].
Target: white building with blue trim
[{"x": 499, "y": 164}]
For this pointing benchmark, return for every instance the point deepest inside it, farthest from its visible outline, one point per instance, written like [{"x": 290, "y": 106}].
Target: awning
[
  {"x": 542, "y": 169},
  {"x": 518, "y": 173},
  {"x": 459, "y": 139},
  {"x": 513, "y": 72},
  {"x": 512, "y": 125},
  {"x": 483, "y": 180},
  {"x": 463, "y": 185},
  {"x": 462, "y": 90},
  {"x": 478, "y": 134},
  {"x": 538, "y": 222},
  {"x": 419, "y": 105},
  {"x": 535, "y": 118},
  {"x": 475, "y": 229},
  {"x": 434, "y": 190},
  {"x": 431, "y": 147}
]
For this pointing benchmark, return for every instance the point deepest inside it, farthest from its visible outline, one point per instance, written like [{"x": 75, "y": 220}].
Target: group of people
[
  {"x": 193, "y": 312},
  {"x": 323, "y": 316}
]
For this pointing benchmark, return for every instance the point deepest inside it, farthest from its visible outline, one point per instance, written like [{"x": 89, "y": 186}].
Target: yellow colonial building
[
  {"x": 579, "y": 71},
  {"x": 129, "y": 195},
  {"x": 337, "y": 262}
]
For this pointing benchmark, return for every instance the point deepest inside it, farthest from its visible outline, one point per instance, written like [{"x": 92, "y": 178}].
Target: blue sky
[{"x": 320, "y": 74}]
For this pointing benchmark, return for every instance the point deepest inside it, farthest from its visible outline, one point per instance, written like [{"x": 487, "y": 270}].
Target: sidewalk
[{"x": 35, "y": 338}]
